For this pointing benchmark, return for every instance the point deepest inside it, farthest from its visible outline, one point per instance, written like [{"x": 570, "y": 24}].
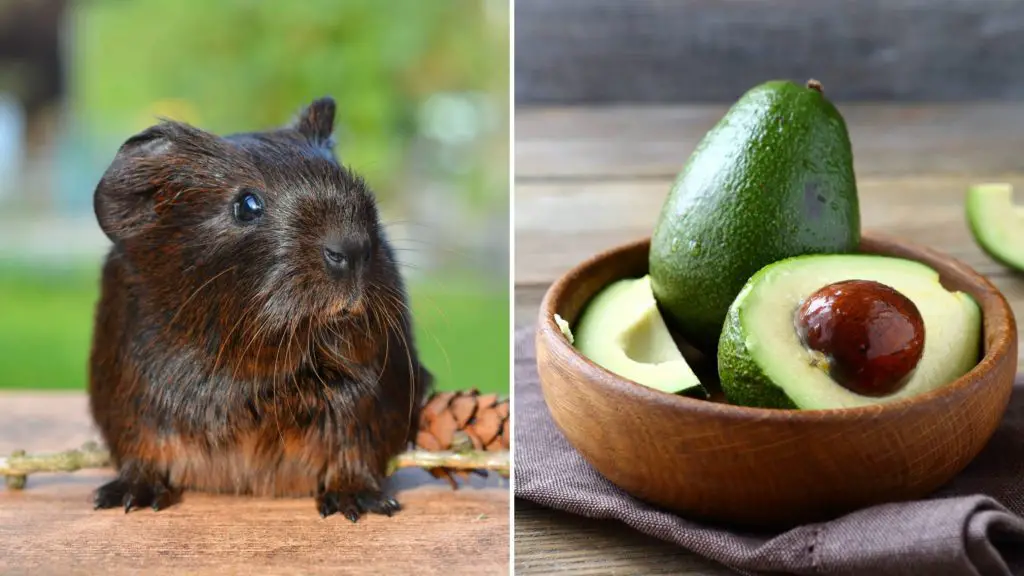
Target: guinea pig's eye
[{"x": 248, "y": 207}]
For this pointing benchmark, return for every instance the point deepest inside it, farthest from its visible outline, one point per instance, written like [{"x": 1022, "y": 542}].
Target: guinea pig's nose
[{"x": 343, "y": 256}]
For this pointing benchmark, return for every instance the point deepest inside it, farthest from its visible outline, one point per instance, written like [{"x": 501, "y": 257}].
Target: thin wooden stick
[
  {"x": 496, "y": 461},
  {"x": 16, "y": 467}
]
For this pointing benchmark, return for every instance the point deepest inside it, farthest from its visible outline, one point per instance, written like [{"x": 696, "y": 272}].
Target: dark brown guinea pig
[{"x": 253, "y": 334}]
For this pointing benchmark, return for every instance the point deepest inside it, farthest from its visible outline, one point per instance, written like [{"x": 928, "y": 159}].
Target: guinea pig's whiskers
[
  {"x": 198, "y": 290},
  {"x": 323, "y": 344},
  {"x": 412, "y": 372},
  {"x": 386, "y": 324},
  {"x": 383, "y": 313},
  {"x": 400, "y": 303},
  {"x": 426, "y": 246},
  {"x": 394, "y": 297},
  {"x": 409, "y": 266},
  {"x": 433, "y": 303},
  {"x": 241, "y": 358},
  {"x": 399, "y": 244},
  {"x": 390, "y": 223},
  {"x": 366, "y": 325},
  {"x": 371, "y": 306},
  {"x": 390, "y": 305},
  {"x": 275, "y": 376},
  {"x": 284, "y": 374},
  {"x": 312, "y": 337},
  {"x": 227, "y": 339}
]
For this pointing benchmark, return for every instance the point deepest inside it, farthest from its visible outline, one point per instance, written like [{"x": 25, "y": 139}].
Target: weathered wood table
[
  {"x": 51, "y": 528},
  {"x": 588, "y": 179}
]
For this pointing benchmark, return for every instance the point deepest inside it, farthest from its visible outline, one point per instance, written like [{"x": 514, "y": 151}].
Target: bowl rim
[{"x": 1002, "y": 338}]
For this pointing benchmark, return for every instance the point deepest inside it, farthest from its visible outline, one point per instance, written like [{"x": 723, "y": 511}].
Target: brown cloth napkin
[{"x": 971, "y": 527}]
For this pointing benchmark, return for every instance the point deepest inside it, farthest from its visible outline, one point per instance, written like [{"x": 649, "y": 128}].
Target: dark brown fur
[{"x": 225, "y": 357}]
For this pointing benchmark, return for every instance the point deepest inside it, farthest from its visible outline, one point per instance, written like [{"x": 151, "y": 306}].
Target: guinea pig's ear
[
  {"x": 125, "y": 195},
  {"x": 316, "y": 122}
]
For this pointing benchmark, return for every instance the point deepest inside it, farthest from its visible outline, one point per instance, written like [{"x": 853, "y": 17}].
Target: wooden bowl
[{"x": 761, "y": 467}]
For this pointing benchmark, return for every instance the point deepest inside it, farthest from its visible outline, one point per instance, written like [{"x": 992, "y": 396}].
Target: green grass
[
  {"x": 46, "y": 327},
  {"x": 463, "y": 337}
]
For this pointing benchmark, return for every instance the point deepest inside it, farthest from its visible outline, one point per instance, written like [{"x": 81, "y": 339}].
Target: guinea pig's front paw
[
  {"x": 133, "y": 494},
  {"x": 352, "y": 505}
]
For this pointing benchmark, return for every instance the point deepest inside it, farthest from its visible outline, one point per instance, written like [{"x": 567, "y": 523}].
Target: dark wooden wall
[{"x": 570, "y": 51}]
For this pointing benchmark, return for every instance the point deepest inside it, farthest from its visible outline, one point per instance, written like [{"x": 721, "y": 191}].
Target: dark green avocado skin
[
  {"x": 773, "y": 179},
  {"x": 742, "y": 380}
]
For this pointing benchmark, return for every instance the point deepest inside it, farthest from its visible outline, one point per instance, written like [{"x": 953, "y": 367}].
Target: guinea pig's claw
[
  {"x": 336, "y": 503},
  {"x": 377, "y": 503},
  {"x": 354, "y": 505},
  {"x": 132, "y": 495},
  {"x": 327, "y": 504},
  {"x": 352, "y": 513}
]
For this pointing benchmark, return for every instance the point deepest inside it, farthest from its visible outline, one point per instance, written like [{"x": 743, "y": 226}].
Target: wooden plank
[
  {"x": 709, "y": 50},
  {"x": 655, "y": 141},
  {"x": 50, "y": 527},
  {"x": 560, "y": 224},
  {"x": 527, "y": 305},
  {"x": 550, "y": 542}
]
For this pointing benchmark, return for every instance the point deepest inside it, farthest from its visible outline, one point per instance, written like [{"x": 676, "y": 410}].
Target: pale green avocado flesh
[
  {"x": 763, "y": 363},
  {"x": 996, "y": 223},
  {"x": 622, "y": 330}
]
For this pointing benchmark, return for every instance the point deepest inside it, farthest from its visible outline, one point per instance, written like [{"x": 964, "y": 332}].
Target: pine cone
[{"x": 462, "y": 421}]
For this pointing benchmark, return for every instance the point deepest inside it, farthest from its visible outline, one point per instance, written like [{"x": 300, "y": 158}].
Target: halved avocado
[
  {"x": 996, "y": 223},
  {"x": 763, "y": 363},
  {"x": 622, "y": 330}
]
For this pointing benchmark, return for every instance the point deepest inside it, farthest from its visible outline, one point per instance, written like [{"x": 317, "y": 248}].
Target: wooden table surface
[
  {"x": 51, "y": 528},
  {"x": 588, "y": 179}
]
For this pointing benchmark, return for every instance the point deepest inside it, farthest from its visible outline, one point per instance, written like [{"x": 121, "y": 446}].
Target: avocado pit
[{"x": 870, "y": 335}]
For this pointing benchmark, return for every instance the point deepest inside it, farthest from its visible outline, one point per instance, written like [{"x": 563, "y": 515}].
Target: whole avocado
[{"x": 773, "y": 179}]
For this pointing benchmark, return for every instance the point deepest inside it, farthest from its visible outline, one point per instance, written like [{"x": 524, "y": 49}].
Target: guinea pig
[{"x": 253, "y": 332}]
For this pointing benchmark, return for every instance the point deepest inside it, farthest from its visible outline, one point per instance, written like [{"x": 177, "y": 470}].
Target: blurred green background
[{"x": 422, "y": 90}]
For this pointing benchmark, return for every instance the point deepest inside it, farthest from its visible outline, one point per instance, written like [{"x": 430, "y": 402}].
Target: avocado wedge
[
  {"x": 996, "y": 223},
  {"x": 622, "y": 330},
  {"x": 763, "y": 363}
]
